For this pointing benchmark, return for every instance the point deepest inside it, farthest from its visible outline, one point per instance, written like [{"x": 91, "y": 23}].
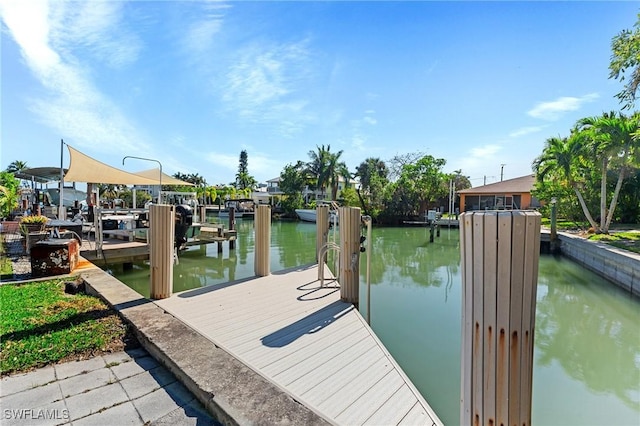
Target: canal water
[{"x": 587, "y": 335}]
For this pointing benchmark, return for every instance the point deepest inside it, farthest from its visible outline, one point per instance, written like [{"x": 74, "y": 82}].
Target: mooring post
[
  {"x": 349, "y": 254},
  {"x": 162, "y": 226},
  {"x": 553, "y": 237},
  {"x": 322, "y": 232},
  {"x": 232, "y": 226},
  {"x": 500, "y": 253},
  {"x": 263, "y": 240},
  {"x": 431, "y": 231}
]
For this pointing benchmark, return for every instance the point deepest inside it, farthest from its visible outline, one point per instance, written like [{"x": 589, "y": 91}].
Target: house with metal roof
[{"x": 511, "y": 194}]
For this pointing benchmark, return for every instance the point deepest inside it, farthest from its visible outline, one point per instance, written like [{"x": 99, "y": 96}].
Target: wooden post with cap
[
  {"x": 350, "y": 225},
  {"x": 263, "y": 240},
  {"x": 500, "y": 252},
  {"x": 161, "y": 249}
]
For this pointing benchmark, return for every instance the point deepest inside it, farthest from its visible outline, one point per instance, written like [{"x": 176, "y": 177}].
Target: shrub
[{"x": 34, "y": 219}]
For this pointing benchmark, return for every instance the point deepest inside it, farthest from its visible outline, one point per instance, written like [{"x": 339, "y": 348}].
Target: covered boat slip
[{"x": 303, "y": 338}]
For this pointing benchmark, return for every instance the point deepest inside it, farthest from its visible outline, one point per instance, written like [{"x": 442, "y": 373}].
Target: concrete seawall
[{"x": 621, "y": 267}]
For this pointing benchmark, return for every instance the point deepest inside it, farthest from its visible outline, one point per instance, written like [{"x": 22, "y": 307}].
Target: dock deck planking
[{"x": 305, "y": 340}]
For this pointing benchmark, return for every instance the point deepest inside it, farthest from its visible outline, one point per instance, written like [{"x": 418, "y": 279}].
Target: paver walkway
[{"x": 123, "y": 388}]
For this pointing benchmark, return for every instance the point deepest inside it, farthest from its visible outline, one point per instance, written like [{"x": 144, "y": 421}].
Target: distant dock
[{"x": 453, "y": 223}]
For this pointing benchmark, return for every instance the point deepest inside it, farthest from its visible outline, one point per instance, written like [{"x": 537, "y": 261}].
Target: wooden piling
[
  {"x": 232, "y": 225},
  {"x": 499, "y": 256},
  {"x": 322, "y": 231},
  {"x": 349, "y": 254},
  {"x": 161, "y": 249},
  {"x": 263, "y": 240}
]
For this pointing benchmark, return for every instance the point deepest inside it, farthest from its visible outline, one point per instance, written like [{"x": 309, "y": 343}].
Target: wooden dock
[
  {"x": 304, "y": 339},
  {"x": 119, "y": 248}
]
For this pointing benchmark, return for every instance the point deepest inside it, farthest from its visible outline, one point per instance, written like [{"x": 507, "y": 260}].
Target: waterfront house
[
  {"x": 511, "y": 194},
  {"x": 309, "y": 194}
]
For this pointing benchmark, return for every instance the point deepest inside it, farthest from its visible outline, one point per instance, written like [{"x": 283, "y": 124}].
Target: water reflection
[
  {"x": 585, "y": 327},
  {"x": 401, "y": 253},
  {"x": 294, "y": 243}
]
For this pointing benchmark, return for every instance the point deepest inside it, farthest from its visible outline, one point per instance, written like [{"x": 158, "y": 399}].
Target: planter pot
[{"x": 27, "y": 228}]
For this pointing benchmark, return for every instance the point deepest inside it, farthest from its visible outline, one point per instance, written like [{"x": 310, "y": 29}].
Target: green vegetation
[
  {"x": 41, "y": 324},
  {"x": 625, "y": 240},
  {"x": 580, "y": 167},
  {"x": 6, "y": 268},
  {"x": 625, "y": 56},
  {"x": 9, "y": 193},
  {"x": 626, "y": 237}
]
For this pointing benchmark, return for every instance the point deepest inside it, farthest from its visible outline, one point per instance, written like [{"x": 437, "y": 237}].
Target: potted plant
[{"x": 33, "y": 223}]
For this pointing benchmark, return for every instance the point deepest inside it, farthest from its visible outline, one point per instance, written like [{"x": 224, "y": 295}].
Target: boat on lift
[{"x": 244, "y": 208}]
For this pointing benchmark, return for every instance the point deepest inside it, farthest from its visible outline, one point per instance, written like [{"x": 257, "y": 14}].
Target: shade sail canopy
[
  {"x": 166, "y": 179},
  {"x": 40, "y": 174},
  {"x": 83, "y": 168}
]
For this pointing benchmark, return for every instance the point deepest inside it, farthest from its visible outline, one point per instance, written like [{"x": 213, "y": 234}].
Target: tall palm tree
[
  {"x": 317, "y": 168},
  {"x": 336, "y": 170},
  {"x": 613, "y": 140},
  {"x": 562, "y": 157},
  {"x": 327, "y": 169}
]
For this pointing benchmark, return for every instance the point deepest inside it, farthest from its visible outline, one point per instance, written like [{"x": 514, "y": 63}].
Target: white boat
[
  {"x": 309, "y": 215},
  {"x": 306, "y": 215}
]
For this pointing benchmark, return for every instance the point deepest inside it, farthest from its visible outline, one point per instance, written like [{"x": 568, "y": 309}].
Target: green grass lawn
[
  {"x": 624, "y": 236},
  {"x": 628, "y": 240},
  {"x": 41, "y": 324}
]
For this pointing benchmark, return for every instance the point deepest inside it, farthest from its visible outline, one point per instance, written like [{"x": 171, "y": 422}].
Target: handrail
[{"x": 321, "y": 254}]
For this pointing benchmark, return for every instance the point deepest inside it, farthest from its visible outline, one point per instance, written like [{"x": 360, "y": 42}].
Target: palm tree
[
  {"x": 16, "y": 166},
  {"x": 563, "y": 156},
  {"x": 335, "y": 170},
  {"x": 317, "y": 167},
  {"x": 326, "y": 169},
  {"x": 613, "y": 139}
]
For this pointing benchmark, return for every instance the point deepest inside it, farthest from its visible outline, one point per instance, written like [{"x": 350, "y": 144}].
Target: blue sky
[{"x": 192, "y": 83}]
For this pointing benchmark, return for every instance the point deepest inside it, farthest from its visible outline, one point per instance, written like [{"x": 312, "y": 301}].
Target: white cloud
[
  {"x": 553, "y": 110},
  {"x": 200, "y": 35},
  {"x": 487, "y": 151},
  {"x": 29, "y": 26},
  {"x": 73, "y": 106},
  {"x": 523, "y": 131},
  {"x": 99, "y": 28},
  {"x": 370, "y": 120},
  {"x": 263, "y": 86}
]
